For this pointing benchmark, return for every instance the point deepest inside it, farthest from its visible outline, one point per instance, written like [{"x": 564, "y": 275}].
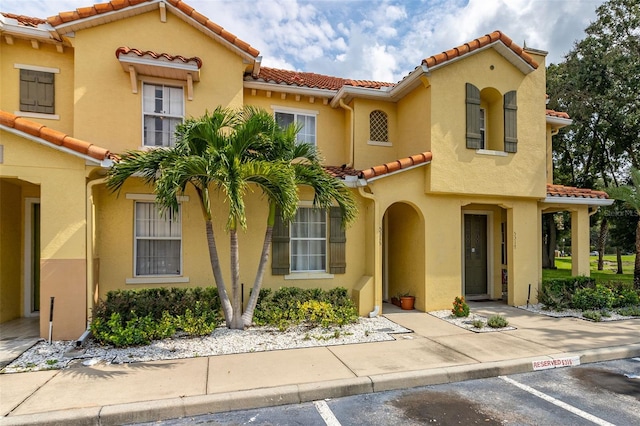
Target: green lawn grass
[{"x": 607, "y": 274}]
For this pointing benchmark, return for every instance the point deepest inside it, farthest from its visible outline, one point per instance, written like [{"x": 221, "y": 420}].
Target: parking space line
[
  {"x": 326, "y": 413},
  {"x": 564, "y": 405}
]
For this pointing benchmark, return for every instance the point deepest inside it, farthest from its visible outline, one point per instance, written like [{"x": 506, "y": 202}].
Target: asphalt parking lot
[{"x": 606, "y": 393}]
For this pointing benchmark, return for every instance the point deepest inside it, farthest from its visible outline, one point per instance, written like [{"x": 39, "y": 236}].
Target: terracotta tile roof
[
  {"x": 570, "y": 191},
  {"x": 312, "y": 80},
  {"x": 54, "y": 137},
  {"x": 477, "y": 43},
  {"x": 125, "y": 50},
  {"x": 559, "y": 114},
  {"x": 394, "y": 166},
  {"x": 113, "y": 5},
  {"x": 27, "y": 21},
  {"x": 341, "y": 171}
]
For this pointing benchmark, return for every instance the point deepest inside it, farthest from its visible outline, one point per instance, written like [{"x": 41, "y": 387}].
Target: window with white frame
[
  {"x": 163, "y": 110},
  {"x": 158, "y": 241},
  {"x": 307, "y": 133},
  {"x": 309, "y": 240},
  {"x": 483, "y": 133}
]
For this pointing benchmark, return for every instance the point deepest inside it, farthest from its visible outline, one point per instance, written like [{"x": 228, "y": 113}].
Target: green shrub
[
  {"x": 596, "y": 298},
  {"x": 497, "y": 321},
  {"x": 290, "y": 306},
  {"x": 460, "y": 307},
  {"x": 624, "y": 294},
  {"x": 592, "y": 315},
  {"x": 135, "y": 317},
  {"x": 478, "y": 323},
  {"x": 557, "y": 293},
  {"x": 629, "y": 311}
]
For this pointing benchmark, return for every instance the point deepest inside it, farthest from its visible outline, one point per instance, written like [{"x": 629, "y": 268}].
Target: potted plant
[{"x": 407, "y": 301}]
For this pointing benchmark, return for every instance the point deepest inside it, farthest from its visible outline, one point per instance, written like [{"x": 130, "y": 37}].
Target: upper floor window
[
  {"x": 491, "y": 119},
  {"x": 163, "y": 110},
  {"x": 158, "y": 241},
  {"x": 37, "y": 91},
  {"x": 307, "y": 122},
  {"x": 378, "y": 126}
]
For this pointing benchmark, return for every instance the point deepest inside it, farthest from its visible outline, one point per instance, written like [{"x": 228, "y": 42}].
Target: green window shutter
[
  {"x": 474, "y": 139},
  {"x": 510, "y": 122},
  {"x": 280, "y": 246},
  {"x": 37, "y": 91},
  {"x": 337, "y": 242}
]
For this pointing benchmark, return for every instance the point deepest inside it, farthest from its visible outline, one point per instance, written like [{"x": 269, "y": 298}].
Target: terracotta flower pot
[{"x": 407, "y": 302}]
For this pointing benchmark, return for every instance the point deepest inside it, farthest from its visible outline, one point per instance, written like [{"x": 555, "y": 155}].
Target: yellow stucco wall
[
  {"x": 331, "y": 123},
  {"x": 461, "y": 170},
  {"x": 21, "y": 52},
  {"x": 10, "y": 251},
  {"x": 61, "y": 181},
  {"x": 108, "y": 113}
]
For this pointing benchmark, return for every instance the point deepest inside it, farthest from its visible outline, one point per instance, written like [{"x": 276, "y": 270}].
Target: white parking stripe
[
  {"x": 326, "y": 413},
  {"x": 570, "y": 408}
]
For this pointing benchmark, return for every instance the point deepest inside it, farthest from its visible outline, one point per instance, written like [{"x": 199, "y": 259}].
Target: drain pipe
[
  {"x": 351, "y": 132},
  {"x": 89, "y": 260},
  {"x": 369, "y": 196}
]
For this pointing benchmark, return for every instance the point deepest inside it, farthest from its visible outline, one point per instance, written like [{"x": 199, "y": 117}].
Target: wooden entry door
[{"x": 475, "y": 254}]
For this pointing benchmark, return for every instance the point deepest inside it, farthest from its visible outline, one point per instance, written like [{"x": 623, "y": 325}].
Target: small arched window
[{"x": 378, "y": 126}]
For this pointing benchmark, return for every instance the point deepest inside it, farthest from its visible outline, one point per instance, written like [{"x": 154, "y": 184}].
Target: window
[
  {"x": 163, "y": 110},
  {"x": 158, "y": 241},
  {"x": 378, "y": 128},
  {"x": 307, "y": 133},
  {"x": 482, "y": 128},
  {"x": 309, "y": 241},
  {"x": 314, "y": 242},
  {"x": 37, "y": 92},
  {"x": 488, "y": 109}
]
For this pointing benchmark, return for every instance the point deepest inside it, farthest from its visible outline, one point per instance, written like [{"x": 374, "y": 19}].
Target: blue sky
[{"x": 372, "y": 39}]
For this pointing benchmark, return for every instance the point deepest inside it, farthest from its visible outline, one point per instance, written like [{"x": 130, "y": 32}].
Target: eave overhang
[{"x": 578, "y": 201}]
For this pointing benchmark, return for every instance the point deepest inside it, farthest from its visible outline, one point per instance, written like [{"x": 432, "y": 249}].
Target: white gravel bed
[
  {"x": 538, "y": 308},
  {"x": 62, "y": 354},
  {"x": 467, "y": 322}
]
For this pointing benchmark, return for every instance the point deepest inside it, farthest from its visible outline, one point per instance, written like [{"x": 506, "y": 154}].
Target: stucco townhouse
[{"x": 451, "y": 166}]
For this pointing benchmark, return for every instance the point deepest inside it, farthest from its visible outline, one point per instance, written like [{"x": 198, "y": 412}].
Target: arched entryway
[{"x": 403, "y": 265}]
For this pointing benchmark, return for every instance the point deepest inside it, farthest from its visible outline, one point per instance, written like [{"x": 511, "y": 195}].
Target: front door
[{"x": 475, "y": 255}]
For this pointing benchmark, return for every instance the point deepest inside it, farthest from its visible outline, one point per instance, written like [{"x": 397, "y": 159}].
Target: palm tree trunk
[
  {"x": 247, "y": 316},
  {"x": 217, "y": 274},
  {"x": 236, "y": 321},
  {"x": 602, "y": 241},
  {"x": 619, "y": 260}
]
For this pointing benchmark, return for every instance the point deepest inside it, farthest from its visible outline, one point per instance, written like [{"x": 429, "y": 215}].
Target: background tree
[
  {"x": 229, "y": 152},
  {"x": 630, "y": 196},
  {"x": 597, "y": 84}
]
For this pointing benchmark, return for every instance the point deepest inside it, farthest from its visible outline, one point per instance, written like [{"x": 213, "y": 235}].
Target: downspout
[
  {"x": 89, "y": 242},
  {"x": 370, "y": 196},
  {"x": 351, "y": 133}
]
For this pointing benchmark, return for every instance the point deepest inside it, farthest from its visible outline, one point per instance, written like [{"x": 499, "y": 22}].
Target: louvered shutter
[
  {"x": 474, "y": 139},
  {"x": 280, "y": 246},
  {"x": 337, "y": 242},
  {"x": 37, "y": 91},
  {"x": 510, "y": 122}
]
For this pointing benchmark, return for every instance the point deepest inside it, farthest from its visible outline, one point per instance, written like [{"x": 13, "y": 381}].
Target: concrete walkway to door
[{"x": 16, "y": 336}]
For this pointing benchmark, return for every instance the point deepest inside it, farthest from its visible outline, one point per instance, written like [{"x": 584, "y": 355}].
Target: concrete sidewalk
[{"x": 437, "y": 352}]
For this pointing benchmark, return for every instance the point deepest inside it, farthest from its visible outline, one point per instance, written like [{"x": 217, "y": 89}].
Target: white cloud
[{"x": 376, "y": 39}]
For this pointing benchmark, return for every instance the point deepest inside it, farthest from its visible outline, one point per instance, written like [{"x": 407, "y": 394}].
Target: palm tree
[
  {"x": 307, "y": 166},
  {"x": 630, "y": 195},
  {"x": 227, "y": 151}
]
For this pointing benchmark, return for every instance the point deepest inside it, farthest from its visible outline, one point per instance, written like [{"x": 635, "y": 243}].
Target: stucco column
[
  {"x": 580, "y": 242},
  {"x": 62, "y": 262}
]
